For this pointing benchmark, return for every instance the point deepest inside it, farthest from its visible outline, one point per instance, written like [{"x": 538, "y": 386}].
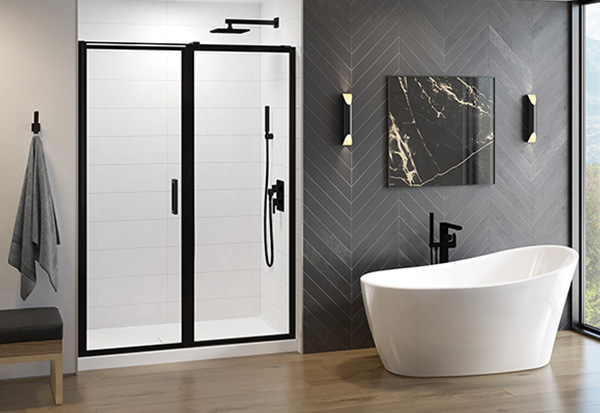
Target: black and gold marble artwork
[{"x": 441, "y": 131}]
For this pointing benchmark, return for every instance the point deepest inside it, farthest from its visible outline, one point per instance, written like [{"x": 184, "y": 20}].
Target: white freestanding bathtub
[{"x": 490, "y": 314}]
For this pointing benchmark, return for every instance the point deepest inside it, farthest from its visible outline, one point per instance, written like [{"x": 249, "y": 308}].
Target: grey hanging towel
[{"x": 35, "y": 237}]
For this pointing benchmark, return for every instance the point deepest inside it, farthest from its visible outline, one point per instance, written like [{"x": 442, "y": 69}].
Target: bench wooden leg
[
  {"x": 56, "y": 378},
  {"x": 28, "y": 351}
]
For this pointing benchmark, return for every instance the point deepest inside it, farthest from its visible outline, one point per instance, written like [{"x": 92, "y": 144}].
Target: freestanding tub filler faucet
[{"x": 446, "y": 241}]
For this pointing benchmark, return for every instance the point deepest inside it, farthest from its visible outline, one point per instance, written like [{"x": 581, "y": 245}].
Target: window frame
[{"x": 578, "y": 31}]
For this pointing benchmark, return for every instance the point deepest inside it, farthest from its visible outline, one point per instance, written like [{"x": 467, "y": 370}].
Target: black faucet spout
[
  {"x": 451, "y": 226},
  {"x": 447, "y": 240}
]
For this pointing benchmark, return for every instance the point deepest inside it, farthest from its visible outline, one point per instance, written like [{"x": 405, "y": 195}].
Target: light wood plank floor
[{"x": 348, "y": 381}]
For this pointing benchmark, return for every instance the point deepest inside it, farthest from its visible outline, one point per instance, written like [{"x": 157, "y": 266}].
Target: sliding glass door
[
  {"x": 133, "y": 160},
  {"x": 241, "y": 146},
  {"x": 186, "y": 214}
]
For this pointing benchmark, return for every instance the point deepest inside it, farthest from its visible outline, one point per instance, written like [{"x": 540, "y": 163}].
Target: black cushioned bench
[{"x": 34, "y": 334}]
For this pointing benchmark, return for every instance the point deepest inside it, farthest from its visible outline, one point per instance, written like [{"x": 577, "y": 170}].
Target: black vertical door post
[
  {"x": 188, "y": 239},
  {"x": 82, "y": 198}
]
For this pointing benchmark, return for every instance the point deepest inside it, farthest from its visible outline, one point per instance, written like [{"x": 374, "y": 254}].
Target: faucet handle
[{"x": 451, "y": 240}]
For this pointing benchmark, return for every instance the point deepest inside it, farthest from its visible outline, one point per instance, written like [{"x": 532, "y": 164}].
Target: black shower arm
[{"x": 250, "y": 22}]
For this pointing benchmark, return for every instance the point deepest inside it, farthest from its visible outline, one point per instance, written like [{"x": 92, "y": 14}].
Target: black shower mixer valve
[{"x": 276, "y": 195}]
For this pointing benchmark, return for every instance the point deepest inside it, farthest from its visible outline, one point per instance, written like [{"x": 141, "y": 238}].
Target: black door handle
[{"x": 174, "y": 197}]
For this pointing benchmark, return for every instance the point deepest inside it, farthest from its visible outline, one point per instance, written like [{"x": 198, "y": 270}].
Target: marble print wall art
[{"x": 441, "y": 131}]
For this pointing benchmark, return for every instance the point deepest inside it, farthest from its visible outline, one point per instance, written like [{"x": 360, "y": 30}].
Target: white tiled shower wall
[
  {"x": 133, "y": 149},
  {"x": 162, "y": 21},
  {"x": 228, "y": 232},
  {"x": 133, "y": 117}
]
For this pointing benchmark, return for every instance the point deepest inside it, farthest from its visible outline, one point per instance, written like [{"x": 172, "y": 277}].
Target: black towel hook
[{"x": 36, "y": 126}]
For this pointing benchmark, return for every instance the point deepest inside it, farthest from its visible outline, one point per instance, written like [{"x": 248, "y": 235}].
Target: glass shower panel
[
  {"x": 133, "y": 165},
  {"x": 236, "y": 293}
]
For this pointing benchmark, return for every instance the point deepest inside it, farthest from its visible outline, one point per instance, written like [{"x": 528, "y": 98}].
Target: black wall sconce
[
  {"x": 347, "y": 119},
  {"x": 531, "y": 134}
]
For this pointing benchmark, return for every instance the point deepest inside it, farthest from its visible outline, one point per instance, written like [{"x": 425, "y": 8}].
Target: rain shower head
[
  {"x": 229, "y": 30},
  {"x": 230, "y": 22}
]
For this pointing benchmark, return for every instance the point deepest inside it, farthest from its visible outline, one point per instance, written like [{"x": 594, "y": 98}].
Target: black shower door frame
[{"x": 187, "y": 192}]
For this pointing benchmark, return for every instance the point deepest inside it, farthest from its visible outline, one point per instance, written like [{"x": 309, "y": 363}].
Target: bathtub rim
[{"x": 366, "y": 279}]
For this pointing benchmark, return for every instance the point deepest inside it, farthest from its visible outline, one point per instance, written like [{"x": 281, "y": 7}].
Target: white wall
[
  {"x": 39, "y": 72},
  {"x": 162, "y": 21}
]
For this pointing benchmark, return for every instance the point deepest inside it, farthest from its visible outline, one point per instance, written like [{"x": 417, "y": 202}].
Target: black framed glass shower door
[
  {"x": 172, "y": 177},
  {"x": 241, "y": 129}
]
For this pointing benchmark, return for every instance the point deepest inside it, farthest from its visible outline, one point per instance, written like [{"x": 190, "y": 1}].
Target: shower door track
[{"x": 187, "y": 192}]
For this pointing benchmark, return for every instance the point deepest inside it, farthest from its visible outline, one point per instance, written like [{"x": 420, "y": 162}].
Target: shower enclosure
[{"x": 186, "y": 176}]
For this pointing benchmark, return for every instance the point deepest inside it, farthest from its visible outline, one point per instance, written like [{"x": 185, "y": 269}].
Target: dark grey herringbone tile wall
[{"x": 353, "y": 223}]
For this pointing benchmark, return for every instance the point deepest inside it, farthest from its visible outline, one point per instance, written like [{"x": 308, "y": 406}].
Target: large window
[{"x": 591, "y": 56}]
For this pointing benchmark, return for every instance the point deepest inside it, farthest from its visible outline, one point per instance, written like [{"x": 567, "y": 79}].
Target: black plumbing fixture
[
  {"x": 36, "y": 126},
  {"x": 229, "y": 30},
  {"x": 245, "y": 22},
  {"x": 274, "y": 196},
  {"x": 438, "y": 251}
]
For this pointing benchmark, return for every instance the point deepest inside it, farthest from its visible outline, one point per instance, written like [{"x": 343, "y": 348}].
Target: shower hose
[{"x": 268, "y": 207}]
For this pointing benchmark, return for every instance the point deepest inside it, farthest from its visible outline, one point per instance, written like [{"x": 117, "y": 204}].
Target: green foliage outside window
[
  {"x": 592, "y": 245},
  {"x": 592, "y": 167}
]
